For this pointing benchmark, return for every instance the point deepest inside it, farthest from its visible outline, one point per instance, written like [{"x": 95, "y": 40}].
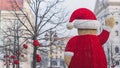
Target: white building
[
  {"x": 6, "y": 18},
  {"x": 55, "y": 55},
  {"x": 107, "y": 8}
]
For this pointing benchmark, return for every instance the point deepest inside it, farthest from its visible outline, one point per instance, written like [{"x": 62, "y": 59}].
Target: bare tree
[
  {"x": 15, "y": 36},
  {"x": 47, "y": 15}
]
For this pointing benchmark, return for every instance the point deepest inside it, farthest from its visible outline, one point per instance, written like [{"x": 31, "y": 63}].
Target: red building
[{"x": 11, "y": 4}]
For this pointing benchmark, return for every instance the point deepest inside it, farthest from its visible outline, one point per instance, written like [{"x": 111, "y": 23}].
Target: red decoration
[
  {"x": 12, "y": 56},
  {"x": 36, "y": 43},
  {"x": 38, "y": 58},
  {"x": 16, "y": 61},
  {"x": 37, "y": 55},
  {"x": 25, "y": 46},
  {"x": 82, "y": 13}
]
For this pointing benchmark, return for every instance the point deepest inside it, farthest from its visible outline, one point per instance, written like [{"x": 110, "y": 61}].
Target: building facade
[
  {"x": 55, "y": 53},
  {"x": 7, "y": 17},
  {"x": 104, "y": 9}
]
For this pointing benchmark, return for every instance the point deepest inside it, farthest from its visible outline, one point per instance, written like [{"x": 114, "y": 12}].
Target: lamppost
[{"x": 50, "y": 38}]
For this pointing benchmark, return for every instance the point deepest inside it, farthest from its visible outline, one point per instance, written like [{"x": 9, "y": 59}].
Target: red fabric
[
  {"x": 82, "y": 13},
  {"x": 36, "y": 43},
  {"x": 16, "y": 61},
  {"x": 103, "y": 36},
  {"x": 25, "y": 46},
  {"x": 88, "y": 51}
]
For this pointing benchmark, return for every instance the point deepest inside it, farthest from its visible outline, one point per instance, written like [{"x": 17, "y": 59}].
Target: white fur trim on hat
[
  {"x": 86, "y": 24},
  {"x": 70, "y": 26},
  {"x": 69, "y": 53}
]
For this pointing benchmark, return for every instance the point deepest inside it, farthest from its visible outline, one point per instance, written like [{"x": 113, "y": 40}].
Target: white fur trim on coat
[
  {"x": 107, "y": 28},
  {"x": 86, "y": 24},
  {"x": 69, "y": 53}
]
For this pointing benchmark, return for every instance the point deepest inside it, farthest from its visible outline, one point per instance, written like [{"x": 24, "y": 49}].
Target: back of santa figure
[{"x": 85, "y": 50}]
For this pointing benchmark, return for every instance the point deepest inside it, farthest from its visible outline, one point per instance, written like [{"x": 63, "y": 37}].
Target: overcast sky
[{"x": 75, "y": 4}]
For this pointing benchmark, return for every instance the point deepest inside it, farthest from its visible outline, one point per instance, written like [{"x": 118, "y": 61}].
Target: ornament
[
  {"x": 37, "y": 55},
  {"x": 12, "y": 56},
  {"x": 25, "y": 46},
  {"x": 36, "y": 43},
  {"x": 38, "y": 58},
  {"x": 16, "y": 61}
]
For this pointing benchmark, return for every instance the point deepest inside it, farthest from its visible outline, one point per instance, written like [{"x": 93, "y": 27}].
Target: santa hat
[{"x": 83, "y": 18}]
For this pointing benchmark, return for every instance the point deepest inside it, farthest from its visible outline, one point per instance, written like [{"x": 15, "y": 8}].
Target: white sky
[{"x": 75, "y": 4}]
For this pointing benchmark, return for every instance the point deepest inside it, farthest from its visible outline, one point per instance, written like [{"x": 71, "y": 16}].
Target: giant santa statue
[{"x": 85, "y": 50}]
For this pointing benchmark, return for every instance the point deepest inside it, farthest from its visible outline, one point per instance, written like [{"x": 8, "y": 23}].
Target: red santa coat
[{"x": 88, "y": 51}]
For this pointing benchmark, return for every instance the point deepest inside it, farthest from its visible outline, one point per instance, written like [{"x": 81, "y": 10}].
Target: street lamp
[
  {"x": 50, "y": 36},
  {"x": 46, "y": 37}
]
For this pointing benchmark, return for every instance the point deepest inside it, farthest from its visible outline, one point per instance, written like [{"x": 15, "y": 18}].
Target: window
[
  {"x": 116, "y": 49},
  {"x": 116, "y": 22},
  {"x": 54, "y": 63},
  {"x": 117, "y": 62},
  {"x": 116, "y": 33},
  {"x": 56, "y": 57},
  {"x": 61, "y": 57},
  {"x": 61, "y": 62},
  {"x": 61, "y": 51}
]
